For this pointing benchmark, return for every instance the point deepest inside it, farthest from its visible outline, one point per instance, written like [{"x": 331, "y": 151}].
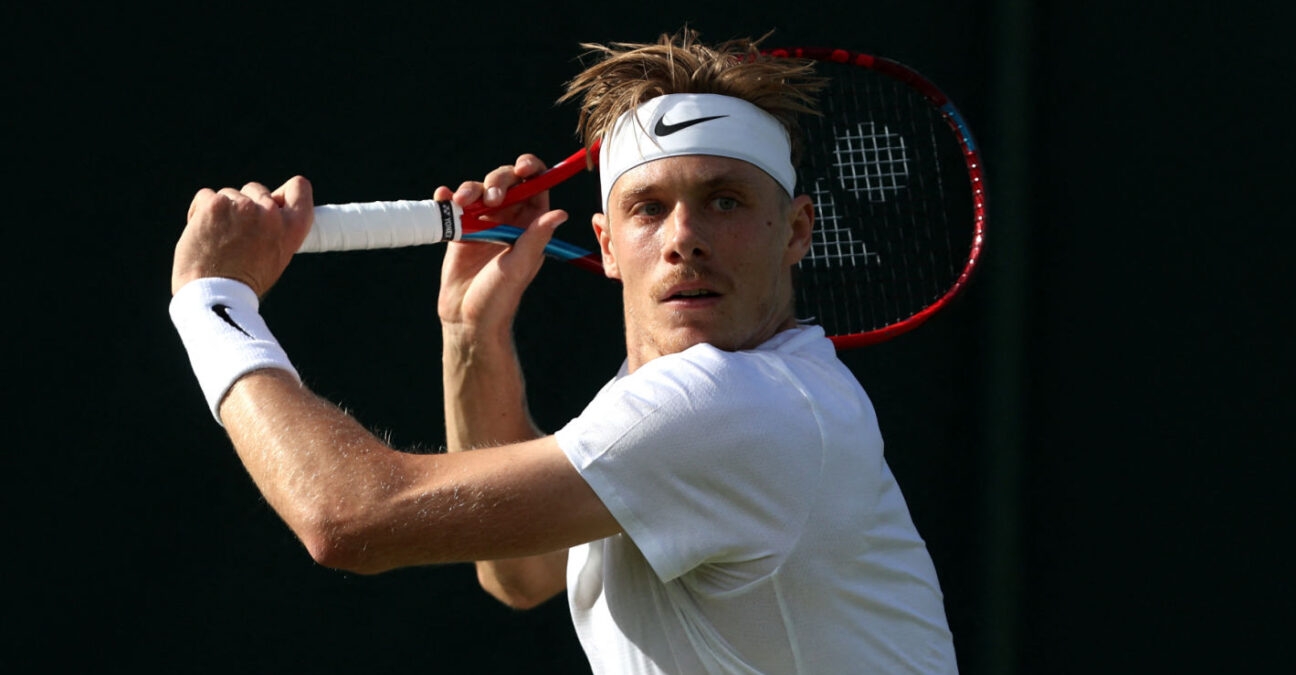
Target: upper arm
[
  {"x": 528, "y": 497},
  {"x": 502, "y": 502}
]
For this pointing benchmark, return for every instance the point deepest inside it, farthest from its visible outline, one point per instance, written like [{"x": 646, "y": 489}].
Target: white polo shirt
[{"x": 764, "y": 532}]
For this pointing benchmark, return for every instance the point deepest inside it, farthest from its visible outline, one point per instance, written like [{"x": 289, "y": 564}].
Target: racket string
[
  {"x": 882, "y": 249},
  {"x": 871, "y": 161}
]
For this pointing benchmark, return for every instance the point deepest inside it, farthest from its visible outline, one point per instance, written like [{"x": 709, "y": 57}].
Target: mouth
[
  {"x": 691, "y": 289},
  {"x": 692, "y": 294},
  {"x": 688, "y": 291}
]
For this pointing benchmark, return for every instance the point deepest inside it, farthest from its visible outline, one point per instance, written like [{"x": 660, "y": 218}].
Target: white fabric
[
  {"x": 675, "y": 124},
  {"x": 225, "y": 336},
  {"x": 764, "y": 532}
]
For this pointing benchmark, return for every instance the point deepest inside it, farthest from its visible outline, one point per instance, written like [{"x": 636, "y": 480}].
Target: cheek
[
  {"x": 628, "y": 257},
  {"x": 636, "y": 248},
  {"x": 760, "y": 251}
]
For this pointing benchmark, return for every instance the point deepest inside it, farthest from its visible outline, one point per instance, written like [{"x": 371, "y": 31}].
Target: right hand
[
  {"x": 482, "y": 282},
  {"x": 248, "y": 235}
]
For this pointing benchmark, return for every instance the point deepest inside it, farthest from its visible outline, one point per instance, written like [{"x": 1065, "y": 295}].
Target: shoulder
[
  {"x": 779, "y": 388},
  {"x": 760, "y": 374}
]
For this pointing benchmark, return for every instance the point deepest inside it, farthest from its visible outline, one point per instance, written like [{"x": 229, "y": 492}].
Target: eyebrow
[{"x": 723, "y": 179}]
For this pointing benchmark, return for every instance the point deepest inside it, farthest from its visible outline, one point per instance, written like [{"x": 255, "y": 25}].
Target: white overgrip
[{"x": 351, "y": 227}]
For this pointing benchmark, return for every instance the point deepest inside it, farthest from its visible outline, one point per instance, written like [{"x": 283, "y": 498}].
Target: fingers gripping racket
[
  {"x": 370, "y": 225},
  {"x": 898, "y": 194}
]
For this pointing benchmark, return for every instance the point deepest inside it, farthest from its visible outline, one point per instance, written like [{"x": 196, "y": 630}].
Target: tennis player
[{"x": 721, "y": 506}]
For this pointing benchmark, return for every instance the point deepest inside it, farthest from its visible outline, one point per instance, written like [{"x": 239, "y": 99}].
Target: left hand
[
  {"x": 482, "y": 282},
  {"x": 249, "y": 235}
]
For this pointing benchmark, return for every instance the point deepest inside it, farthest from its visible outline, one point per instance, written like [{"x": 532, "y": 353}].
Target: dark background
[{"x": 1094, "y": 441}]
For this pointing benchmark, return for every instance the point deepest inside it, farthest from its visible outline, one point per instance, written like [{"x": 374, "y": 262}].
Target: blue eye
[
  {"x": 726, "y": 203},
  {"x": 649, "y": 209}
]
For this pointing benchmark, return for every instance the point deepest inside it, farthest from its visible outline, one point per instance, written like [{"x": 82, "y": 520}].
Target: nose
[{"x": 684, "y": 236}]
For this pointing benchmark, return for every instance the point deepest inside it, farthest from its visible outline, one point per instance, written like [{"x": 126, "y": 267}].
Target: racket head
[{"x": 899, "y": 199}]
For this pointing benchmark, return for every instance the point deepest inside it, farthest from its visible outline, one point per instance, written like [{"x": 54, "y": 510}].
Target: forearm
[
  {"x": 485, "y": 404},
  {"x": 336, "y": 485},
  {"x": 485, "y": 392}
]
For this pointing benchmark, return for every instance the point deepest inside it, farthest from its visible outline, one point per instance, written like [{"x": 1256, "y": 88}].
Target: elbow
[
  {"x": 517, "y": 596},
  {"x": 337, "y": 546},
  {"x": 344, "y": 558},
  {"x": 518, "y": 601}
]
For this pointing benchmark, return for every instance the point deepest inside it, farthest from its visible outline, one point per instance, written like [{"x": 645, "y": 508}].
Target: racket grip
[{"x": 369, "y": 225}]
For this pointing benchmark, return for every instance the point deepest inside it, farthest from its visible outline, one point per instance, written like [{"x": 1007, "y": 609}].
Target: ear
[
  {"x": 604, "y": 235},
  {"x": 801, "y": 218}
]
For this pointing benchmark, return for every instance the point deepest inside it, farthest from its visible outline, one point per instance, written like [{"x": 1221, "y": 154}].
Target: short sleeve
[{"x": 702, "y": 456}]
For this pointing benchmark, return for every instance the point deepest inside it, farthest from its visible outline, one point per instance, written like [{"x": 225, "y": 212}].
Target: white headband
[{"x": 696, "y": 124}]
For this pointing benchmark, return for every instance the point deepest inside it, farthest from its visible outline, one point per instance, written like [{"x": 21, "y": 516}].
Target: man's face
[{"x": 703, "y": 247}]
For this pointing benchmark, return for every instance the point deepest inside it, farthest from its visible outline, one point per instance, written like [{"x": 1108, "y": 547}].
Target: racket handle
[{"x": 351, "y": 227}]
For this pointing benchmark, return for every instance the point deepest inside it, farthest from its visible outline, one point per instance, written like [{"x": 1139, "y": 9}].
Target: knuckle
[
  {"x": 244, "y": 206},
  {"x": 214, "y": 202}
]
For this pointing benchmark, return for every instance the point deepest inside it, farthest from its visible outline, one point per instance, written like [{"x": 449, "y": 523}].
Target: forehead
[{"x": 692, "y": 172}]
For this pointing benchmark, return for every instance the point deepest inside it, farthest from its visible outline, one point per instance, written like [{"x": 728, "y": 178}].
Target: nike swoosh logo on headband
[{"x": 664, "y": 129}]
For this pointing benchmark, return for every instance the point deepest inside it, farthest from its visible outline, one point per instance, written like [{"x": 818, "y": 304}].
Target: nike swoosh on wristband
[
  {"x": 664, "y": 129},
  {"x": 223, "y": 312}
]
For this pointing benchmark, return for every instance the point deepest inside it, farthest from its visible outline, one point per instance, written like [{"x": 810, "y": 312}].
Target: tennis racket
[{"x": 893, "y": 170}]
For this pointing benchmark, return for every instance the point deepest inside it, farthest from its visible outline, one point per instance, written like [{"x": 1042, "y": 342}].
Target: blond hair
[{"x": 628, "y": 74}]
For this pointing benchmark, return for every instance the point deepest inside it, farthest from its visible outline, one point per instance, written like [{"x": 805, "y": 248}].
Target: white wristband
[{"x": 225, "y": 336}]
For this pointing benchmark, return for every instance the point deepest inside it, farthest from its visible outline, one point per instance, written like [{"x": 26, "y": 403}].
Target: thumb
[
  {"x": 297, "y": 200},
  {"x": 532, "y": 241}
]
